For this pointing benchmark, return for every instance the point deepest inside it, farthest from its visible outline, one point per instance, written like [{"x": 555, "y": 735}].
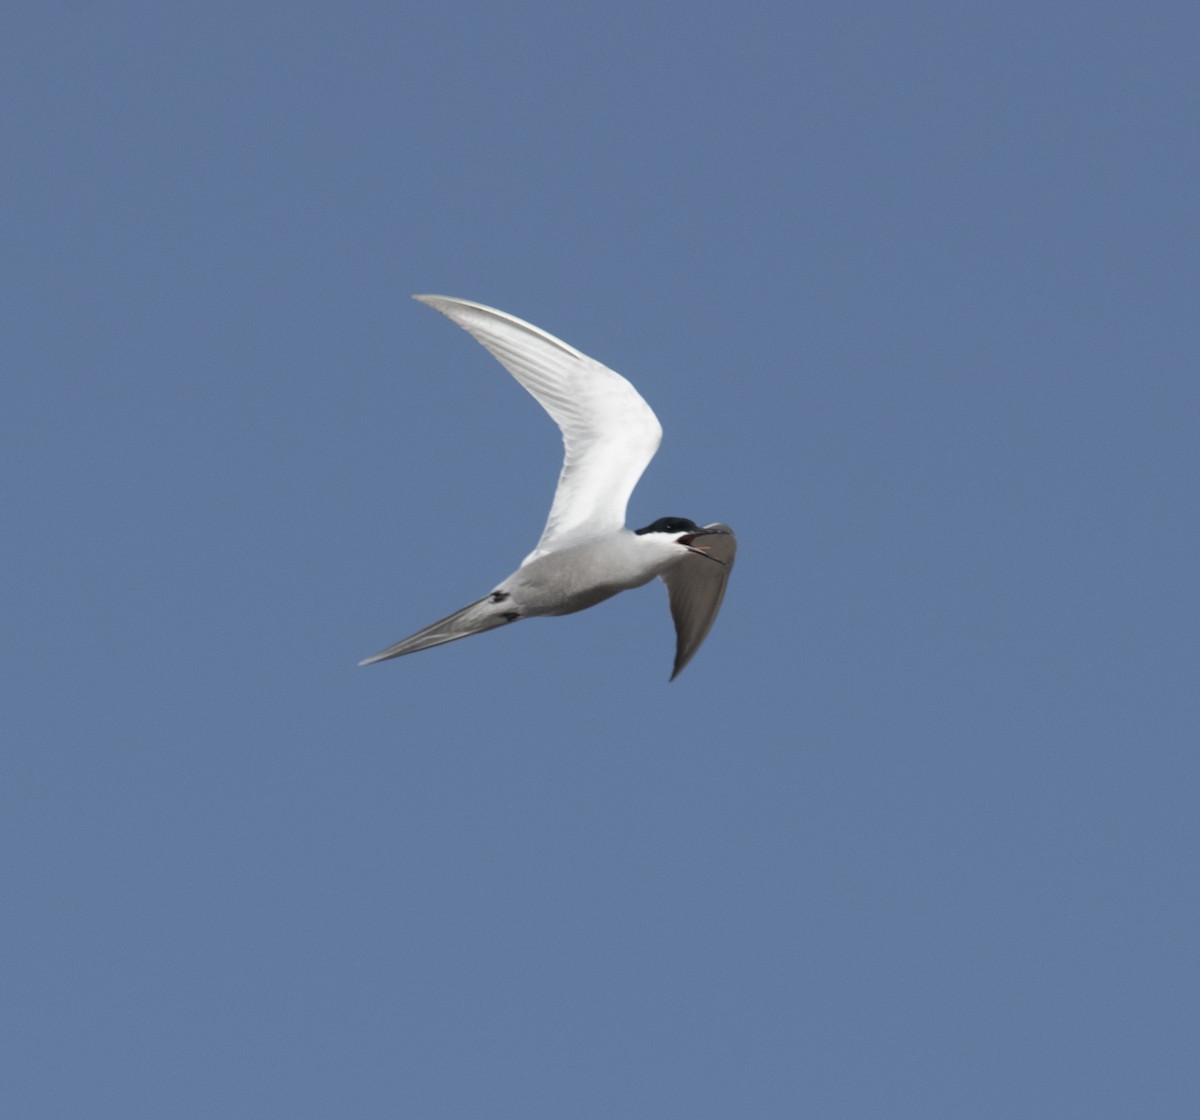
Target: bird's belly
[
  {"x": 577, "y": 600},
  {"x": 558, "y": 584}
]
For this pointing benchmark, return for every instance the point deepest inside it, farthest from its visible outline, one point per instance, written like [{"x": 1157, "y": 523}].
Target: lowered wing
[{"x": 695, "y": 588}]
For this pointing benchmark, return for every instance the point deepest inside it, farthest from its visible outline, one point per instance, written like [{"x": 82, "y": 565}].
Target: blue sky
[{"x": 912, "y": 288}]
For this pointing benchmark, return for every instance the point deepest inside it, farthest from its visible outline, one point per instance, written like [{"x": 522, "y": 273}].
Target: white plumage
[{"x": 586, "y": 554}]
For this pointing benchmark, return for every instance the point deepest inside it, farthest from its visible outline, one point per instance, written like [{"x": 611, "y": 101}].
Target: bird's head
[{"x": 679, "y": 531}]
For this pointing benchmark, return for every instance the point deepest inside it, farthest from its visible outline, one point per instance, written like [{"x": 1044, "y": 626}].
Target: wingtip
[{"x": 450, "y": 305}]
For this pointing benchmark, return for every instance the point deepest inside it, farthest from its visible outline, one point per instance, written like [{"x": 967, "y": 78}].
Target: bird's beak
[{"x": 700, "y": 550}]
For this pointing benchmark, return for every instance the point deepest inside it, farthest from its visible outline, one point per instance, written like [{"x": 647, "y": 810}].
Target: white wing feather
[{"x": 609, "y": 433}]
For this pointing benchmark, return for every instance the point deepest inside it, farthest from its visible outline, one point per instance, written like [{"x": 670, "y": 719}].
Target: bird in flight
[{"x": 586, "y": 554}]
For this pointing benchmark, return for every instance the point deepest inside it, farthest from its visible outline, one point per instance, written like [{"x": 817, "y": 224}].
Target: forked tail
[{"x": 483, "y": 614}]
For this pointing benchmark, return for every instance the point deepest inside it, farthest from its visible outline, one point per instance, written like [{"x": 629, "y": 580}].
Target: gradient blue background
[{"x": 913, "y": 289}]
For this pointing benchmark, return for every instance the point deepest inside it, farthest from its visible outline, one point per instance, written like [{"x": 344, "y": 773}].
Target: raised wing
[
  {"x": 609, "y": 433},
  {"x": 695, "y": 588}
]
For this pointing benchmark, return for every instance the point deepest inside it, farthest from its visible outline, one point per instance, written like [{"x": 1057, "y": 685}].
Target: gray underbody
[{"x": 584, "y": 574}]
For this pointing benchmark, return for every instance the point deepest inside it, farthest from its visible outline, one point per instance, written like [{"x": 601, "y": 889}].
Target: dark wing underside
[{"x": 695, "y": 588}]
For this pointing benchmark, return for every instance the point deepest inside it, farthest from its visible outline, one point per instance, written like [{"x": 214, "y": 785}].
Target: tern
[{"x": 586, "y": 554}]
